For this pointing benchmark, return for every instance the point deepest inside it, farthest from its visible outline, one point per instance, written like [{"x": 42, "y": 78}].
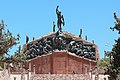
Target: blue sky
[{"x": 34, "y": 18}]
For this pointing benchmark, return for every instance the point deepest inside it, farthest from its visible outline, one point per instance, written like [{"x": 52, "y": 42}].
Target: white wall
[
  {"x": 101, "y": 77},
  {"x": 4, "y": 75},
  {"x": 18, "y": 77}
]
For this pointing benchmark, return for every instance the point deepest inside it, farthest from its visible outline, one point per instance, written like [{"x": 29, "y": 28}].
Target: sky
[{"x": 35, "y": 19}]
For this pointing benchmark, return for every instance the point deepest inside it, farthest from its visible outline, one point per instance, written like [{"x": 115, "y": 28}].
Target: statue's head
[
  {"x": 57, "y": 6},
  {"x": 114, "y": 13}
]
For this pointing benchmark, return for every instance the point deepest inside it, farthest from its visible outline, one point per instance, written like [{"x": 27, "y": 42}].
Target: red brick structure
[{"x": 60, "y": 62}]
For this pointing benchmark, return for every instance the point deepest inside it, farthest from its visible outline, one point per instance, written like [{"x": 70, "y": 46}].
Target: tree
[
  {"x": 103, "y": 62},
  {"x": 18, "y": 59},
  {"x": 113, "y": 68},
  {"x": 7, "y": 41}
]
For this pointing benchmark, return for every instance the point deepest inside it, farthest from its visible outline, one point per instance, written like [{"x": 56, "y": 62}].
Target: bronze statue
[
  {"x": 86, "y": 37},
  {"x": 60, "y": 20},
  {"x": 54, "y": 26},
  {"x": 80, "y": 33},
  {"x": 27, "y": 39},
  {"x": 33, "y": 38}
]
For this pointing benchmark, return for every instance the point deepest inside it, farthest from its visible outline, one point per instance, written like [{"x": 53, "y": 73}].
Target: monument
[{"x": 61, "y": 52}]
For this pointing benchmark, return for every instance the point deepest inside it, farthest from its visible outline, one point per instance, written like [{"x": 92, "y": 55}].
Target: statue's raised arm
[{"x": 57, "y": 11}]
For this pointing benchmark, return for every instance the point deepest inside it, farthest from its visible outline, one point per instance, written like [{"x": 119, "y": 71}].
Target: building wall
[
  {"x": 4, "y": 75},
  {"x": 60, "y": 77},
  {"x": 74, "y": 64},
  {"x": 60, "y": 62},
  {"x": 41, "y": 64},
  {"x": 18, "y": 77}
]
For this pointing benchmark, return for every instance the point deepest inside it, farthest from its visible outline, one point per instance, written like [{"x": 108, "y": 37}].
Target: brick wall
[
  {"x": 60, "y": 62},
  {"x": 41, "y": 64}
]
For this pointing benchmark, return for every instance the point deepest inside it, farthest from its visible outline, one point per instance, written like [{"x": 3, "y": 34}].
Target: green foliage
[
  {"x": 112, "y": 71},
  {"x": 116, "y": 54},
  {"x": 117, "y": 23},
  {"x": 7, "y": 41},
  {"x": 113, "y": 68},
  {"x": 103, "y": 62},
  {"x": 19, "y": 56}
]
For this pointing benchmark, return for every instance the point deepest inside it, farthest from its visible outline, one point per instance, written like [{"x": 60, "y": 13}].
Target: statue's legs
[
  {"x": 59, "y": 25},
  {"x": 60, "y": 28}
]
